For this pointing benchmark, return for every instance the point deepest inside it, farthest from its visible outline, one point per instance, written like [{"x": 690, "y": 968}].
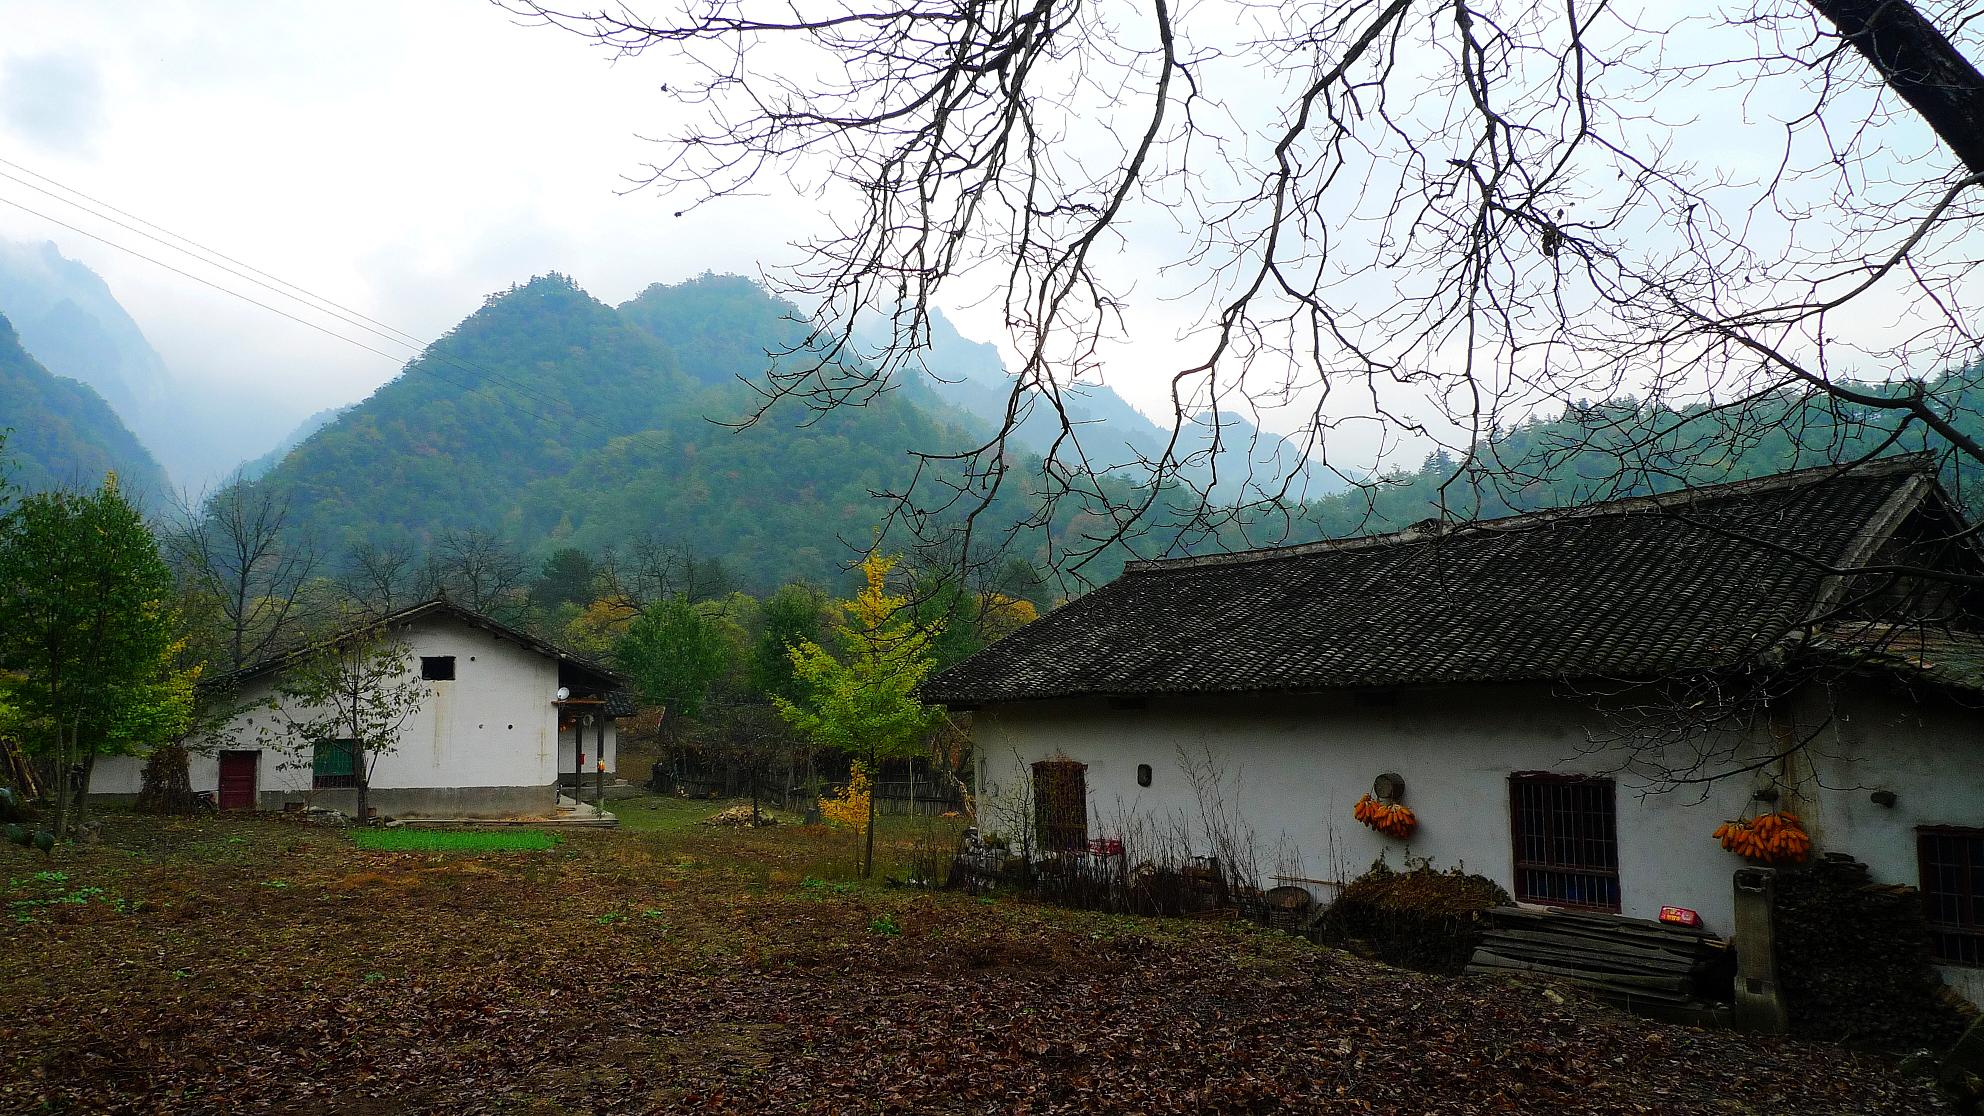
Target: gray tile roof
[{"x": 1635, "y": 588}]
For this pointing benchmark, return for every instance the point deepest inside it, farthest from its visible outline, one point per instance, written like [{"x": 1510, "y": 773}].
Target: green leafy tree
[
  {"x": 864, "y": 703},
  {"x": 676, "y": 654},
  {"x": 351, "y": 696},
  {"x": 86, "y": 621},
  {"x": 795, "y": 614}
]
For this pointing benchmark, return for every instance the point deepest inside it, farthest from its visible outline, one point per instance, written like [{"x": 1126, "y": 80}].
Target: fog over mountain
[
  {"x": 1115, "y": 437},
  {"x": 73, "y": 325}
]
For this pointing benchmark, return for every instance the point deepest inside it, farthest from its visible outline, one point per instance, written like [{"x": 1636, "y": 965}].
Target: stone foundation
[{"x": 428, "y": 802}]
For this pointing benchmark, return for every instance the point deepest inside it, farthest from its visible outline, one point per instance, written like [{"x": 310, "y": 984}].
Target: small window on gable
[
  {"x": 1952, "y": 863},
  {"x": 437, "y": 668},
  {"x": 333, "y": 763}
]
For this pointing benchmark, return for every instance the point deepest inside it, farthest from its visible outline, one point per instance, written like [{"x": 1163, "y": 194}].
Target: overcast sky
[
  {"x": 406, "y": 159},
  {"x": 401, "y": 159}
]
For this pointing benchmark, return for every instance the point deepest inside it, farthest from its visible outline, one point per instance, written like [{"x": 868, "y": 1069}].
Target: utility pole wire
[
  {"x": 325, "y": 330},
  {"x": 249, "y": 273}
]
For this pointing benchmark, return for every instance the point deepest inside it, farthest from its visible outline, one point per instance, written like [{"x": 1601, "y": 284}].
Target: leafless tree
[
  {"x": 245, "y": 556},
  {"x": 476, "y": 569},
  {"x": 1431, "y": 220},
  {"x": 651, "y": 569},
  {"x": 380, "y": 579}
]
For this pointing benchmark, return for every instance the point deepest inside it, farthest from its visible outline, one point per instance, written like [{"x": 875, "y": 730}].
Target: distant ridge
[{"x": 62, "y": 433}]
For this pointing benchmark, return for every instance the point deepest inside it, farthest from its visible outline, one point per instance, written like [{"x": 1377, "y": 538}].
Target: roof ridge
[
  {"x": 1903, "y": 464},
  {"x": 407, "y": 614}
]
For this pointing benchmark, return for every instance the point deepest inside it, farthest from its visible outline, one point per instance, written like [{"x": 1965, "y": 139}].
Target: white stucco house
[
  {"x": 1553, "y": 691},
  {"x": 504, "y": 719}
]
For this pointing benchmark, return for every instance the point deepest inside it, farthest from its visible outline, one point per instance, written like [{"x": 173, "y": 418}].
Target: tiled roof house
[{"x": 1487, "y": 666}]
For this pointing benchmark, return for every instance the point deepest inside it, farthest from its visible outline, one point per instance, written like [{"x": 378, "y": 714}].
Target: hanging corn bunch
[
  {"x": 1388, "y": 818},
  {"x": 1767, "y": 839}
]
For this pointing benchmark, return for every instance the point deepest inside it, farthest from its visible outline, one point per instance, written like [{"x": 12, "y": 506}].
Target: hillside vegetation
[
  {"x": 552, "y": 420},
  {"x": 60, "y": 432}
]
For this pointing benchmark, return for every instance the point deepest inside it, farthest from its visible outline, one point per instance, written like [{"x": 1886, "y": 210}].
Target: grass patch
[{"x": 454, "y": 840}]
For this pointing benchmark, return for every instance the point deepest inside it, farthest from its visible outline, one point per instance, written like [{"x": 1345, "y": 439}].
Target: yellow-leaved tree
[{"x": 863, "y": 702}]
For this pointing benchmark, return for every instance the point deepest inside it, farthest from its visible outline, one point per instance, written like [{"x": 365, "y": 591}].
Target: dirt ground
[{"x": 241, "y": 965}]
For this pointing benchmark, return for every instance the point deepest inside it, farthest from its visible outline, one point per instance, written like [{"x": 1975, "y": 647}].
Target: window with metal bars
[
  {"x": 1566, "y": 831},
  {"x": 1952, "y": 862},
  {"x": 334, "y": 764}
]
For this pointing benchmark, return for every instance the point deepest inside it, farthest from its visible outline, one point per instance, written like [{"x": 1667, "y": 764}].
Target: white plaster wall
[
  {"x": 592, "y": 751},
  {"x": 493, "y": 725},
  {"x": 1930, "y": 754},
  {"x": 1293, "y": 766}
]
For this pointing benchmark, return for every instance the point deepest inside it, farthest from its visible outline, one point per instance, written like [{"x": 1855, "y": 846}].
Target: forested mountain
[
  {"x": 1625, "y": 448},
  {"x": 62, "y": 433},
  {"x": 255, "y": 469},
  {"x": 552, "y": 419}
]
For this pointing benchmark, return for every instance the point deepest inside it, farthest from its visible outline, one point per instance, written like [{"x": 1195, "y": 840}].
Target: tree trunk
[
  {"x": 812, "y": 789},
  {"x": 360, "y": 769},
  {"x": 81, "y": 816},
  {"x": 65, "y": 738},
  {"x": 1918, "y": 63},
  {"x": 868, "y": 856}
]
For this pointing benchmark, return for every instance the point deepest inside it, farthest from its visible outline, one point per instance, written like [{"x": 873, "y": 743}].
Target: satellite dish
[{"x": 563, "y": 693}]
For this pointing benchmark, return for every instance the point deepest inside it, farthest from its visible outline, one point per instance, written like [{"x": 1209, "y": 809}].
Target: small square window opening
[{"x": 437, "y": 668}]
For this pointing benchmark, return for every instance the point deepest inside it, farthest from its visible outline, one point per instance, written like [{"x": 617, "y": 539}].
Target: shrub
[{"x": 1418, "y": 919}]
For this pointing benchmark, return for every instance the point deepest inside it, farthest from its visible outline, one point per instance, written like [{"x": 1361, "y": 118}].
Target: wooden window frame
[
  {"x": 319, "y": 780},
  {"x": 1060, "y": 813},
  {"x": 1598, "y": 873},
  {"x": 1960, "y": 942}
]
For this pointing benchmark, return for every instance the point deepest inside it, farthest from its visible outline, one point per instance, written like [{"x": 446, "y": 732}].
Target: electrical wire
[
  {"x": 325, "y": 330},
  {"x": 249, "y": 273}
]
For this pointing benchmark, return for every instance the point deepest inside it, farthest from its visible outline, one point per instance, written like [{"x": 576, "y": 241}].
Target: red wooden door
[{"x": 237, "y": 780}]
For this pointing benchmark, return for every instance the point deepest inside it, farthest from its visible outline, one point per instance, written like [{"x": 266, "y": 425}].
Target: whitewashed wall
[
  {"x": 492, "y": 726},
  {"x": 592, "y": 749},
  {"x": 1292, "y": 767}
]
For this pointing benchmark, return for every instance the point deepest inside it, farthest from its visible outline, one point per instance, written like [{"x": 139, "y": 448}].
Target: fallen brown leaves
[{"x": 630, "y": 973}]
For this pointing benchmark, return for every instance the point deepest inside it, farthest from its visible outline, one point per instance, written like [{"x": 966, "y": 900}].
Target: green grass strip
[{"x": 453, "y": 840}]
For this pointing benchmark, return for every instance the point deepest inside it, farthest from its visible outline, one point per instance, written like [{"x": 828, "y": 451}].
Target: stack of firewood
[{"x": 1853, "y": 960}]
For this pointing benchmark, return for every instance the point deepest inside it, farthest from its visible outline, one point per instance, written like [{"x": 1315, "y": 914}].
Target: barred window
[
  {"x": 333, "y": 764},
  {"x": 1952, "y": 862},
  {"x": 1566, "y": 831}
]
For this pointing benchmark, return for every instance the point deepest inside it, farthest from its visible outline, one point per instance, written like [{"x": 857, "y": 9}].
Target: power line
[
  {"x": 194, "y": 247},
  {"x": 328, "y": 332},
  {"x": 232, "y": 266}
]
